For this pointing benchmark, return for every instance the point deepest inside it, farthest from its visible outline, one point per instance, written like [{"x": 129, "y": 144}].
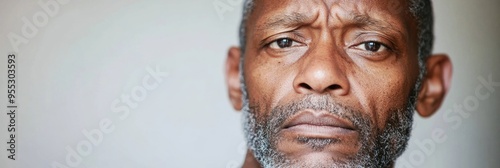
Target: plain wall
[{"x": 77, "y": 67}]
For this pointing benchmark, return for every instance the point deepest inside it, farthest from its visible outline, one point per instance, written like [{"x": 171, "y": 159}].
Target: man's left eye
[{"x": 371, "y": 46}]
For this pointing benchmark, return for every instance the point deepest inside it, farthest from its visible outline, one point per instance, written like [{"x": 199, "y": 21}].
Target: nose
[{"x": 322, "y": 72}]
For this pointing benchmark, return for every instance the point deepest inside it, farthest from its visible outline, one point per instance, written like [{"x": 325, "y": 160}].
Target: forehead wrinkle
[
  {"x": 339, "y": 14},
  {"x": 333, "y": 13},
  {"x": 288, "y": 16}
]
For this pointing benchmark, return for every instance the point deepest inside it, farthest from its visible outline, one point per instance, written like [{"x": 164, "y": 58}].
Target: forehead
[{"x": 383, "y": 13}]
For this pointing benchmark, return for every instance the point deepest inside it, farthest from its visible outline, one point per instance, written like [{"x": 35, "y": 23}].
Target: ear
[
  {"x": 233, "y": 77},
  {"x": 436, "y": 84}
]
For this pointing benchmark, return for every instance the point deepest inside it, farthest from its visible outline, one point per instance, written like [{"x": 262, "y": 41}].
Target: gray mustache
[{"x": 281, "y": 113}]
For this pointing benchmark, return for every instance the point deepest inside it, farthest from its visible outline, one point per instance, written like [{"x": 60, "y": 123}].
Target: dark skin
[{"x": 359, "y": 52}]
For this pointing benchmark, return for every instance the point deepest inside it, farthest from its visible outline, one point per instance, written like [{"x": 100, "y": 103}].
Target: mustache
[{"x": 281, "y": 113}]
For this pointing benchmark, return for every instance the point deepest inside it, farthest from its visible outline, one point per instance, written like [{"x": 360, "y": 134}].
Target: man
[{"x": 334, "y": 83}]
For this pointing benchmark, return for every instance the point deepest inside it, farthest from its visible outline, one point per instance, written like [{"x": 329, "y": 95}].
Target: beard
[{"x": 377, "y": 147}]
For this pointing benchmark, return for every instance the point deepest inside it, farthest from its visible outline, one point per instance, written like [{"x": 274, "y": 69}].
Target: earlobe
[
  {"x": 435, "y": 84},
  {"x": 233, "y": 77}
]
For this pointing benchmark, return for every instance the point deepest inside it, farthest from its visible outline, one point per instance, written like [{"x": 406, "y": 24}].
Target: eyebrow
[
  {"x": 283, "y": 21},
  {"x": 363, "y": 21},
  {"x": 296, "y": 19},
  {"x": 369, "y": 23}
]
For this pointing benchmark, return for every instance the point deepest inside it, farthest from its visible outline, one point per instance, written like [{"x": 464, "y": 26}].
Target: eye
[
  {"x": 283, "y": 43},
  {"x": 371, "y": 46}
]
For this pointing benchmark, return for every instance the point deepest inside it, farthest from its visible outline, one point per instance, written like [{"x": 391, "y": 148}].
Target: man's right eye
[{"x": 283, "y": 43}]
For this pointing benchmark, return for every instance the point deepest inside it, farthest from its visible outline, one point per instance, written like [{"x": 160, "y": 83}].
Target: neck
[{"x": 250, "y": 161}]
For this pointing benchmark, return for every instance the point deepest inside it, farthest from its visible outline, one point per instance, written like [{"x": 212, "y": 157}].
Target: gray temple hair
[{"x": 420, "y": 9}]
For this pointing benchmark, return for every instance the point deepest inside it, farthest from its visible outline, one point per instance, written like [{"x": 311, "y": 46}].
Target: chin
[
  {"x": 319, "y": 153},
  {"x": 321, "y": 159}
]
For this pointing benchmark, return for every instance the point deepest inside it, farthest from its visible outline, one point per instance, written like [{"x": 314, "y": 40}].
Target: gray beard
[{"x": 378, "y": 148}]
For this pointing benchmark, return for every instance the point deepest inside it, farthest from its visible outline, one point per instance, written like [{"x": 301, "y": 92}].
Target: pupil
[
  {"x": 284, "y": 43},
  {"x": 372, "y": 46}
]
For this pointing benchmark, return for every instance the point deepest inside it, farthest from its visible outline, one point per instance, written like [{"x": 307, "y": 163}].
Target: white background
[{"x": 89, "y": 54}]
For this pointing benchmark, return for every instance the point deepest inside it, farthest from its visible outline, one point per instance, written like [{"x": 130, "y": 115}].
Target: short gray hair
[{"x": 421, "y": 10}]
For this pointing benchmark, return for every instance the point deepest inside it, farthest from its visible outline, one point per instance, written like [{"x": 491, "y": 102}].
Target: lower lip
[{"x": 318, "y": 131}]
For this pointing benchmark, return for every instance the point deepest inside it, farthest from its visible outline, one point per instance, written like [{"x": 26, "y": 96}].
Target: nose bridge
[
  {"x": 324, "y": 53},
  {"x": 323, "y": 60},
  {"x": 321, "y": 69}
]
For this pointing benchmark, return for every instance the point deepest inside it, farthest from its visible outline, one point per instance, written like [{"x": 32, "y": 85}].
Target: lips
[{"x": 318, "y": 124}]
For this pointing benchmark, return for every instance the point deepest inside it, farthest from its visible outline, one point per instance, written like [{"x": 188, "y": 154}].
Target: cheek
[
  {"x": 382, "y": 90},
  {"x": 267, "y": 83}
]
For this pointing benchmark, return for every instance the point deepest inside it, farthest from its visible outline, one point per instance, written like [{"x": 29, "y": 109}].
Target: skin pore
[{"x": 331, "y": 83}]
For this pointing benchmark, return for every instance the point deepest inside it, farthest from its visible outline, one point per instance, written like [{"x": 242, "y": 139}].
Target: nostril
[
  {"x": 334, "y": 87},
  {"x": 304, "y": 85}
]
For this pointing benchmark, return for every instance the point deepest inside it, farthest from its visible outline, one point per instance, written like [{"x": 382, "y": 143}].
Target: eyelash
[
  {"x": 382, "y": 49},
  {"x": 385, "y": 46},
  {"x": 291, "y": 41},
  {"x": 288, "y": 35}
]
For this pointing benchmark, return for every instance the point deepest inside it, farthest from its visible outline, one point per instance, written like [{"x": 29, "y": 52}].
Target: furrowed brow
[
  {"x": 367, "y": 22},
  {"x": 283, "y": 21}
]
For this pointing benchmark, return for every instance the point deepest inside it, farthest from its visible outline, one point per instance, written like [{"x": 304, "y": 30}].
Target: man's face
[{"x": 329, "y": 83}]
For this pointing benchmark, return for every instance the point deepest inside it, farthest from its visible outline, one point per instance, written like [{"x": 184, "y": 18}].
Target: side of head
[{"x": 334, "y": 83}]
